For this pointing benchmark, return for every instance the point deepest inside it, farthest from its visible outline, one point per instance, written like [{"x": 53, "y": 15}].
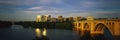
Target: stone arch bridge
[{"x": 98, "y": 26}]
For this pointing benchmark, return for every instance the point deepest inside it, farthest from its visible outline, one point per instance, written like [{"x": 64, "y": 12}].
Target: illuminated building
[
  {"x": 65, "y": 19},
  {"x": 39, "y": 18},
  {"x": 70, "y": 19},
  {"x": 60, "y": 18},
  {"x": 43, "y": 18},
  {"x": 53, "y": 20},
  {"x": 90, "y": 18},
  {"x": 47, "y": 18},
  {"x": 77, "y": 18}
]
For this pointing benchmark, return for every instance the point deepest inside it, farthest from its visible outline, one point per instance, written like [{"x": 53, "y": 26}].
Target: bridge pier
[{"x": 117, "y": 29}]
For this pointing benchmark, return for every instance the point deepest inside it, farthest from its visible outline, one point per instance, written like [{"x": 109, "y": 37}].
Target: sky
[{"x": 26, "y": 10}]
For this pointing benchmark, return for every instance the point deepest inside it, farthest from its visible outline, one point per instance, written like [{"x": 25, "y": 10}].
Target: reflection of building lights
[
  {"x": 37, "y": 32},
  {"x": 44, "y": 32},
  {"x": 39, "y": 36}
]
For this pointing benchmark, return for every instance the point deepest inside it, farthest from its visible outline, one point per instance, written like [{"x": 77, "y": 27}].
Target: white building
[
  {"x": 43, "y": 18},
  {"x": 39, "y": 18},
  {"x": 47, "y": 18}
]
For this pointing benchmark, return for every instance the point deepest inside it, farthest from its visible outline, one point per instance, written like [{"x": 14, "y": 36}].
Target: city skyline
[{"x": 26, "y": 10}]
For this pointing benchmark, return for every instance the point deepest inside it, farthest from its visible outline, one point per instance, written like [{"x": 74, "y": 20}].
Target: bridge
[{"x": 98, "y": 26}]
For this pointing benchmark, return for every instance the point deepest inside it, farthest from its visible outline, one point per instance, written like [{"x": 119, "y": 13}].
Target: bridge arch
[
  {"x": 106, "y": 30},
  {"x": 86, "y": 26},
  {"x": 99, "y": 27},
  {"x": 102, "y": 27}
]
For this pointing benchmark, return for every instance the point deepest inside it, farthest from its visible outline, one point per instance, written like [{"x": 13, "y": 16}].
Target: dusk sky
[{"x": 26, "y": 10}]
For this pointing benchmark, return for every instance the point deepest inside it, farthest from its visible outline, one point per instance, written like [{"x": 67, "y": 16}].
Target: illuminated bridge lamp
[
  {"x": 38, "y": 32},
  {"x": 44, "y": 32}
]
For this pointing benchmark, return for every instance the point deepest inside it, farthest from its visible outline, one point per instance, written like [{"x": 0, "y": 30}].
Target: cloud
[
  {"x": 58, "y": 12},
  {"x": 31, "y": 8},
  {"x": 50, "y": 1},
  {"x": 18, "y": 2},
  {"x": 97, "y": 4},
  {"x": 29, "y": 2},
  {"x": 69, "y": 12},
  {"x": 34, "y": 8},
  {"x": 48, "y": 9},
  {"x": 42, "y": 12},
  {"x": 106, "y": 14},
  {"x": 40, "y": 8}
]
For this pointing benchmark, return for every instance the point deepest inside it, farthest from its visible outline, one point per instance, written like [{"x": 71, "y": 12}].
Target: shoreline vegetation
[
  {"x": 33, "y": 24},
  {"x": 48, "y": 25},
  {"x": 4, "y": 24}
]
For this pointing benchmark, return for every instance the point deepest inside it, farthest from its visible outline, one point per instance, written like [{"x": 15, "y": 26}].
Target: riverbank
[{"x": 49, "y": 25}]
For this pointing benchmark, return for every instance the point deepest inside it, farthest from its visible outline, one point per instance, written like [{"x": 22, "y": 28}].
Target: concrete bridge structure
[{"x": 98, "y": 26}]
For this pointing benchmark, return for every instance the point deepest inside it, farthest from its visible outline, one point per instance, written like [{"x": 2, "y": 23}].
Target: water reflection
[
  {"x": 31, "y": 34},
  {"x": 86, "y": 35},
  {"x": 16, "y": 27},
  {"x": 38, "y": 32},
  {"x": 44, "y": 32},
  {"x": 40, "y": 36}
]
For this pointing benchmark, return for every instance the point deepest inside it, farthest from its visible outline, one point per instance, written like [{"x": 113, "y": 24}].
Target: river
[{"x": 17, "y": 32}]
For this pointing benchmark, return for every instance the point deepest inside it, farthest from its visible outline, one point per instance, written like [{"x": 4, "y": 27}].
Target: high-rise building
[
  {"x": 60, "y": 18},
  {"x": 39, "y": 18},
  {"x": 65, "y": 19},
  {"x": 47, "y": 18},
  {"x": 70, "y": 19},
  {"x": 53, "y": 19}
]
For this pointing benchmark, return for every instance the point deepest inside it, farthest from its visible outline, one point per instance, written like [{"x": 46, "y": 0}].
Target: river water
[{"x": 17, "y": 32}]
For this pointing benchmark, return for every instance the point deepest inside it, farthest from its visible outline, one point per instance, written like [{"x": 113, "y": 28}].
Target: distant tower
[{"x": 39, "y": 18}]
